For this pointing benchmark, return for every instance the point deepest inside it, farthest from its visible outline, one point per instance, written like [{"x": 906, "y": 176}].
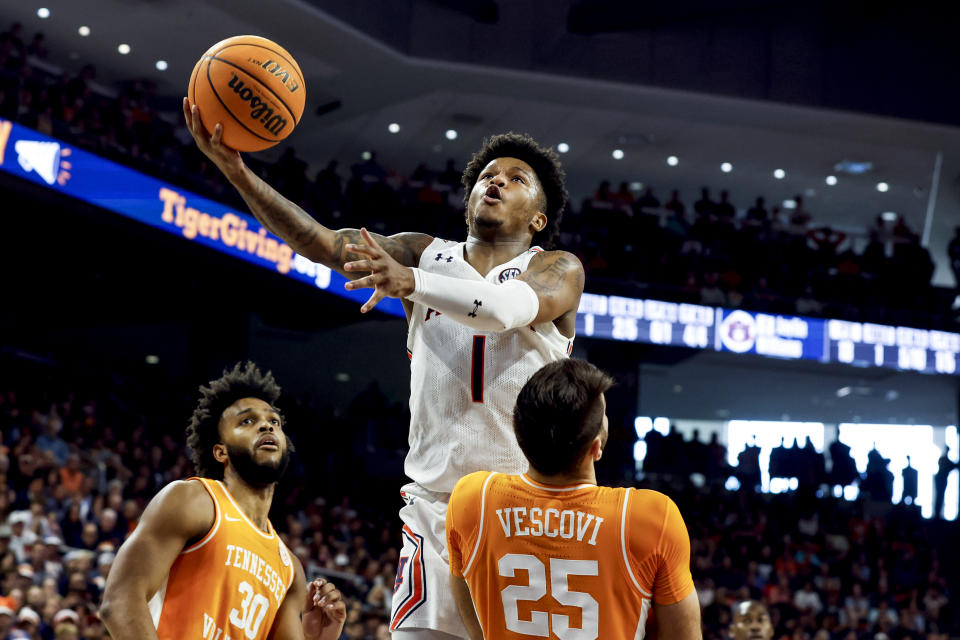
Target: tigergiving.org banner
[{"x": 47, "y": 161}]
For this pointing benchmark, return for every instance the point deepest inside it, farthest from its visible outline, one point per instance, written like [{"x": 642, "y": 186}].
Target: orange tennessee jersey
[
  {"x": 227, "y": 586},
  {"x": 572, "y": 562}
]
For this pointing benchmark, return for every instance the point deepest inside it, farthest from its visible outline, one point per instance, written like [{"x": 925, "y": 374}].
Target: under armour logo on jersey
[
  {"x": 440, "y": 257},
  {"x": 476, "y": 305}
]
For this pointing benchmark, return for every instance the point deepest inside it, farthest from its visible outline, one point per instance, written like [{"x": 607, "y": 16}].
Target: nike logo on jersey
[{"x": 229, "y": 519}]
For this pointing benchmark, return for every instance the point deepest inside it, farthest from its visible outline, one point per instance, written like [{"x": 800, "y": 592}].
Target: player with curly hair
[
  {"x": 204, "y": 561},
  {"x": 483, "y": 316}
]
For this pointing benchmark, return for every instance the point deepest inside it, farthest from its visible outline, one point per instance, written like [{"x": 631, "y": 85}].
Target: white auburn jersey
[{"x": 464, "y": 382}]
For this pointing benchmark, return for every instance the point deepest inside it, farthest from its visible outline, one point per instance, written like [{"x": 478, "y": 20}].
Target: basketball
[{"x": 253, "y": 87}]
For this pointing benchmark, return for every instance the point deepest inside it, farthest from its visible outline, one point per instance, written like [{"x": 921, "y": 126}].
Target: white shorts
[{"x": 421, "y": 594}]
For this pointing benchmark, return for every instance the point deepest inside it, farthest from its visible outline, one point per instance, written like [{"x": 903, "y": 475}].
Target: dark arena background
[{"x": 765, "y": 197}]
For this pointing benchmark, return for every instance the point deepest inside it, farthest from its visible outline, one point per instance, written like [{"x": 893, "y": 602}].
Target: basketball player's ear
[
  {"x": 539, "y": 222},
  {"x": 220, "y": 452},
  {"x": 596, "y": 448}
]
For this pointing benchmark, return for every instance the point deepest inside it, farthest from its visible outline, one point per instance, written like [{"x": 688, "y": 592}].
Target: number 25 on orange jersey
[{"x": 541, "y": 623}]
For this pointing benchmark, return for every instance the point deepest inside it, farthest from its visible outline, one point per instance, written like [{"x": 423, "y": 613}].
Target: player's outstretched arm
[
  {"x": 285, "y": 219},
  {"x": 309, "y": 612},
  {"x": 182, "y": 512},
  {"x": 547, "y": 291},
  {"x": 461, "y": 593}
]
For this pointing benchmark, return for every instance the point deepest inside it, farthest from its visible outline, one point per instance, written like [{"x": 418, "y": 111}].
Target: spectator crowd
[
  {"x": 709, "y": 251},
  {"x": 826, "y": 568},
  {"x": 78, "y": 465}
]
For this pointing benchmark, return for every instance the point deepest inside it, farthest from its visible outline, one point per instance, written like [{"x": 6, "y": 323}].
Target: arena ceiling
[{"x": 360, "y": 78}]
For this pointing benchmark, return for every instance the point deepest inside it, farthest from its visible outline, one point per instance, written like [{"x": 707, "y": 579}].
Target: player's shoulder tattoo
[{"x": 550, "y": 271}]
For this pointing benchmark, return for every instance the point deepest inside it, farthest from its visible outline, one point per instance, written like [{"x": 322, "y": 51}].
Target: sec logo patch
[{"x": 508, "y": 274}]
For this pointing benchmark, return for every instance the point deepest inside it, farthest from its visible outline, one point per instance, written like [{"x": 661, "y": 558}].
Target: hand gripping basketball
[{"x": 226, "y": 159}]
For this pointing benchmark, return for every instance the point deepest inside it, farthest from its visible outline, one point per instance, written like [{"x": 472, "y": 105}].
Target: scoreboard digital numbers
[
  {"x": 650, "y": 321},
  {"x": 903, "y": 348},
  {"x": 772, "y": 335}
]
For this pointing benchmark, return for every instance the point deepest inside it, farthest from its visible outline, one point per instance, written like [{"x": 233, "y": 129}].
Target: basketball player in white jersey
[
  {"x": 484, "y": 315},
  {"x": 204, "y": 560}
]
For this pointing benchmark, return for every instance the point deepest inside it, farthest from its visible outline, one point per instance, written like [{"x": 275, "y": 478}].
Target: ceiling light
[
  {"x": 726, "y": 167},
  {"x": 789, "y": 204},
  {"x": 636, "y": 186},
  {"x": 889, "y": 216},
  {"x": 853, "y": 167},
  {"x": 779, "y": 174},
  {"x": 84, "y": 31},
  {"x": 831, "y": 180},
  {"x": 563, "y": 147},
  {"x": 451, "y": 134},
  {"x": 617, "y": 154},
  {"x": 161, "y": 65},
  {"x": 43, "y": 12},
  {"x": 152, "y": 359},
  {"x": 393, "y": 127},
  {"x": 883, "y": 187},
  {"x": 673, "y": 161},
  {"x": 124, "y": 49},
  {"x": 366, "y": 155}
]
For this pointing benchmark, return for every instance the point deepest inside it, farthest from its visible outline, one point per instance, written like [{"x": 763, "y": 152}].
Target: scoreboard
[
  {"x": 904, "y": 348},
  {"x": 766, "y": 334}
]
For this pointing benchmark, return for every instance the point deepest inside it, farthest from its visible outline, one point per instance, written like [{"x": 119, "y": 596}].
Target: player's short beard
[
  {"x": 257, "y": 474},
  {"x": 487, "y": 223}
]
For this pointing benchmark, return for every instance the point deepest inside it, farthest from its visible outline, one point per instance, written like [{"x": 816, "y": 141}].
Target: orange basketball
[{"x": 251, "y": 86}]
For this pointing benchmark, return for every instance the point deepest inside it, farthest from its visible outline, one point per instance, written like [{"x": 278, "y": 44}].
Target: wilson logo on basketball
[
  {"x": 259, "y": 109},
  {"x": 283, "y": 74}
]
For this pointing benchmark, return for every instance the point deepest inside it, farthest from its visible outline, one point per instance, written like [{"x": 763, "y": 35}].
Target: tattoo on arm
[
  {"x": 552, "y": 276},
  {"x": 282, "y": 217},
  {"x": 405, "y": 248},
  {"x": 312, "y": 240},
  {"x": 343, "y": 238}
]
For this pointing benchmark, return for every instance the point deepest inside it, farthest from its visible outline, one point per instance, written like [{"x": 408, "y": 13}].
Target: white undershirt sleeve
[{"x": 480, "y": 305}]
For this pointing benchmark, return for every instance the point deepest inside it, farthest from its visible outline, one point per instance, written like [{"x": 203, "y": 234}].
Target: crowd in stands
[
  {"x": 762, "y": 258},
  {"x": 708, "y": 251},
  {"x": 826, "y": 569},
  {"x": 671, "y": 455},
  {"x": 78, "y": 464}
]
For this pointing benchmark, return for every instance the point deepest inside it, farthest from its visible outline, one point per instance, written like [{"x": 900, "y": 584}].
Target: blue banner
[{"x": 88, "y": 177}]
